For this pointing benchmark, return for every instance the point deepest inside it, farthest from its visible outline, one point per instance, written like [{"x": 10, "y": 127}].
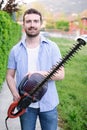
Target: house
[{"x": 78, "y": 24}]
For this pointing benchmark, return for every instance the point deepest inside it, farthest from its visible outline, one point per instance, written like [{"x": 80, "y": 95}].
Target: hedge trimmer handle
[
  {"x": 20, "y": 106},
  {"x": 11, "y": 110}
]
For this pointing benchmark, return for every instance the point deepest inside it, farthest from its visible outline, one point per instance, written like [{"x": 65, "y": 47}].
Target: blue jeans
[{"x": 48, "y": 120}]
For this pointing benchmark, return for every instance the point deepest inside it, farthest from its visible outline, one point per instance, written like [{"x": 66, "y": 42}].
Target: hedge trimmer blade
[{"x": 81, "y": 41}]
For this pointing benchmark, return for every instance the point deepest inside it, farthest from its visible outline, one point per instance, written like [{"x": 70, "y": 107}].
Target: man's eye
[
  {"x": 28, "y": 21},
  {"x": 36, "y": 21}
]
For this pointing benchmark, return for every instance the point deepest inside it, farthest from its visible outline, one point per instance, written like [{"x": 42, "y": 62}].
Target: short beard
[{"x": 32, "y": 35}]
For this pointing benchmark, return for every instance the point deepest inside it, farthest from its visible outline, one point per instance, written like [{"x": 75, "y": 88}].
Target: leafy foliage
[
  {"x": 10, "y": 33},
  {"x": 1, "y": 2},
  {"x": 62, "y": 25},
  {"x": 10, "y": 7}
]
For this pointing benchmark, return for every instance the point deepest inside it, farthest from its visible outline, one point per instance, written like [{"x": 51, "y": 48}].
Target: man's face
[{"x": 32, "y": 25}]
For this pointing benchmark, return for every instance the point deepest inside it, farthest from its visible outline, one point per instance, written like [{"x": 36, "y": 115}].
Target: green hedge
[
  {"x": 10, "y": 32},
  {"x": 62, "y": 25}
]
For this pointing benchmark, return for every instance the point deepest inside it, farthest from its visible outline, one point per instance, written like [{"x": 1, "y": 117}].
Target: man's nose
[{"x": 32, "y": 23}]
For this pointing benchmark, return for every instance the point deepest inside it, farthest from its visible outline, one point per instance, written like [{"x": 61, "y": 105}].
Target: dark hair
[{"x": 32, "y": 11}]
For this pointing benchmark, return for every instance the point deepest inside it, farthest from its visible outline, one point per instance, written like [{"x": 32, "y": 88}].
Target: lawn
[{"x": 73, "y": 89}]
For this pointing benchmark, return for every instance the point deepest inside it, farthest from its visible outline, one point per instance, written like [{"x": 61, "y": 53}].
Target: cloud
[{"x": 28, "y": 1}]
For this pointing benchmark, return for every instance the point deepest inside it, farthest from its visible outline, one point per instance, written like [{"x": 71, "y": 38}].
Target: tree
[
  {"x": 1, "y": 2},
  {"x": 11, "y": 7}
]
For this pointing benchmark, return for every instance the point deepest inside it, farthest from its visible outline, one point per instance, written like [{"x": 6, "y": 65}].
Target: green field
[{"x": 73, "y": 89}]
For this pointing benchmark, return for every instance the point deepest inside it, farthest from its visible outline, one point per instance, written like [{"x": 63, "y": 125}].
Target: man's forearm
[{"x": 12, "y": 86}]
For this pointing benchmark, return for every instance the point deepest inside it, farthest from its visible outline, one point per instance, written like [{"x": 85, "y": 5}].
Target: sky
[
  {"x": 24, "y": 1},
  {"x": 66, "y": 6},
  {"x": 27, "y": 1}
]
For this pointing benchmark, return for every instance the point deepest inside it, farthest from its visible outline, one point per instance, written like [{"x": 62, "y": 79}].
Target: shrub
[
  {"x": 62, "y": 25},
  {"x": 10, "y": 33}
]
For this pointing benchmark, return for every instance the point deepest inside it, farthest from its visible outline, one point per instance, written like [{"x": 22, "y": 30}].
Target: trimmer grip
[{"x": 13, "y": 106}]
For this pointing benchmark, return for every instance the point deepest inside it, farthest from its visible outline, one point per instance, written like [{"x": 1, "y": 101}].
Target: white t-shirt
[{"x": 32, "y": 61}]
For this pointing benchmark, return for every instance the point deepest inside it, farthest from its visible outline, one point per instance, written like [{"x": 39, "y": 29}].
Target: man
[{"x": 32, "y": 54}]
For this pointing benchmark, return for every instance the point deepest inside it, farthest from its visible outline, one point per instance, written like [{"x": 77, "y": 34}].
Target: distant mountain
[{"x": 66, "y": 6}]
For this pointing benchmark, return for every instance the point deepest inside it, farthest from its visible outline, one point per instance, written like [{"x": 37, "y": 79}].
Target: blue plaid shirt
[{"x": 49, "y": 55}]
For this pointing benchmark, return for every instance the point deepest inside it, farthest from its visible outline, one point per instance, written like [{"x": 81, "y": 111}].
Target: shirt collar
[
  {"x": 43, "y": 40},
  {"x": 22, "y": 42}
]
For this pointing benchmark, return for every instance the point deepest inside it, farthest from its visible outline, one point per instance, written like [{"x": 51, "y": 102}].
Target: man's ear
[
  {"x": 41, "y": 24},
  {"x": 23, "y": 26}
]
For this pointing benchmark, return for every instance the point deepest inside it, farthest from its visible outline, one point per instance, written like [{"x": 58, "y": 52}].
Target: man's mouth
[{"x": 32, "y": 28}]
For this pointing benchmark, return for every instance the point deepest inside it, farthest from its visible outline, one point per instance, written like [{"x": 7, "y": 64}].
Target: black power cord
[{"x": 6, "y": 123}]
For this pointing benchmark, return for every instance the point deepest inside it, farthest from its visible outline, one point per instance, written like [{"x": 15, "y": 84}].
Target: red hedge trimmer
[{"x": 33, "y": 89}]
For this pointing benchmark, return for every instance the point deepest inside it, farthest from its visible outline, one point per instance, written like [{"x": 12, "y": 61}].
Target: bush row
[{"x": 10, "y": 33}]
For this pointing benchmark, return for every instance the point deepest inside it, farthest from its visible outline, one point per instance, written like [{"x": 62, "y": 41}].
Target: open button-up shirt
[{"x": 49, "y": 55}]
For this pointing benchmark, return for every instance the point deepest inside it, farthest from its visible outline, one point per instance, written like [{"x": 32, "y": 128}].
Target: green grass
[{"x": 73, "y": 89}]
